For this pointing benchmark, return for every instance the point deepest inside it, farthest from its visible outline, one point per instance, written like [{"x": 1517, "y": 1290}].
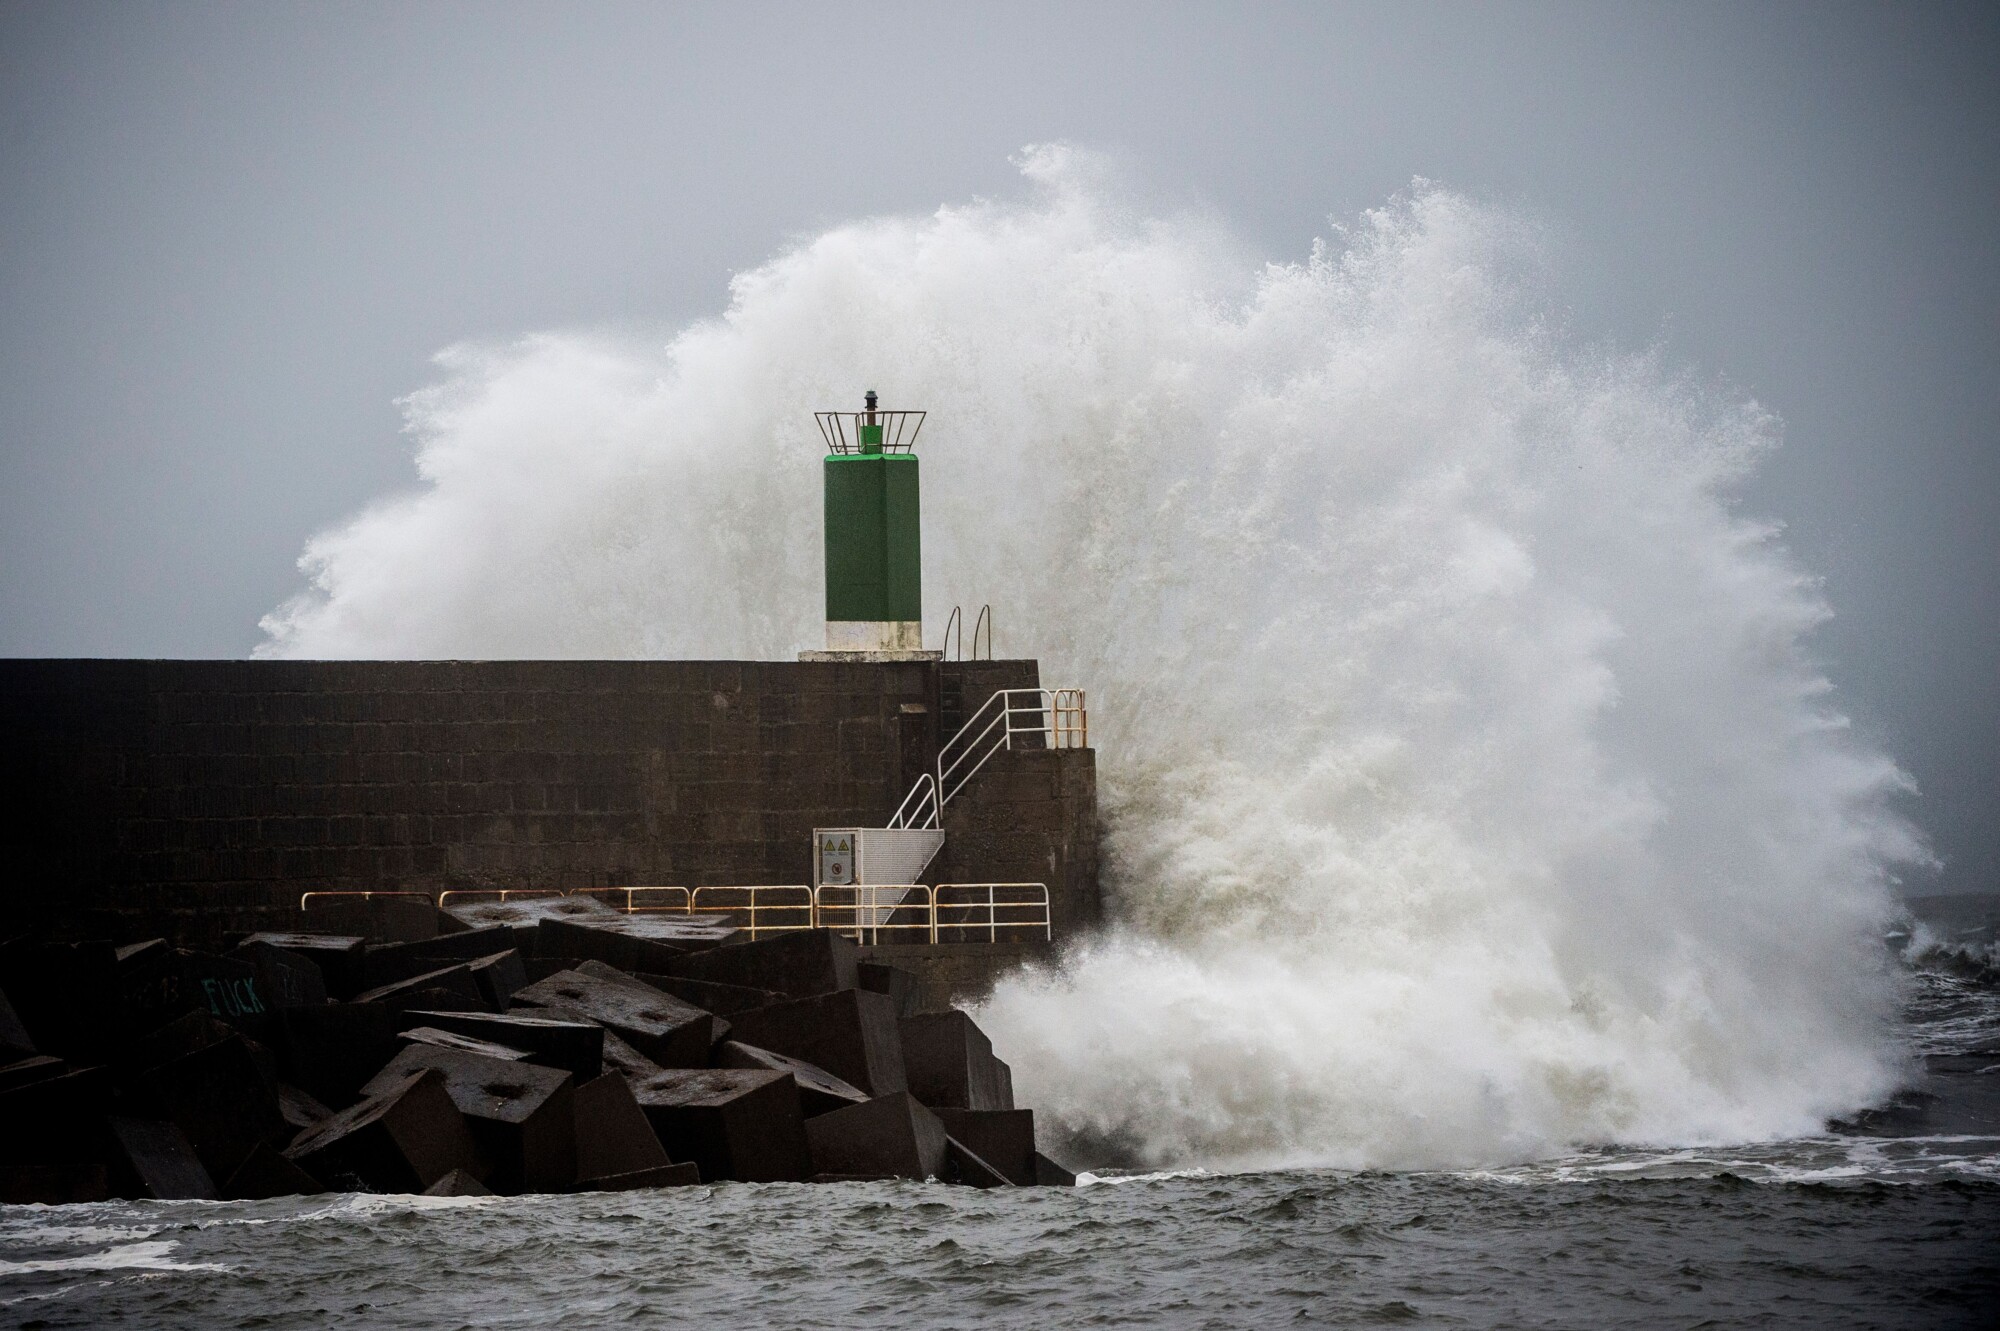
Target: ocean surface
[{"x": 1892, "y": 1220}]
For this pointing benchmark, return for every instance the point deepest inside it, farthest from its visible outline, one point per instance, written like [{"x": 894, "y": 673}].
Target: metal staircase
[
  {"x": 881, "y": 865},
  {"x": 1012, "y": 718}
]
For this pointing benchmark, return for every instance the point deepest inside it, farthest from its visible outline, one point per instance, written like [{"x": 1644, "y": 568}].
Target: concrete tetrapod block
[
  {"x": 963, "y": 1165},
  {"x": 222, "y": 1099},
  {"x": 950, "y": 1062},
  {"x": 159, "y": 1157},
  {"x": 661, "y": 1176},
  {"x": 519, "y": 1114},
  {"x": 338, "y": 956},
  {"x": 62, "y": 1183},
  {"x": 499, "y": 976},
  {"x": 444, "y": 1000},
  {"x": 191, "y": 1031},
  {"x": 852, "y": 1033},
  {"x": 577, "y": 1047},
  {"x": 524, "y": 915},
  {"x": 455, "y": 982},
  {"x": 628, "y": 1062},
  {"x": 266, "y": 1173},
  {"x": 619, "y": 1057},
  {"x": 464, "y": 1044},
  {"x": 289, "y": 979},
  {"x": 1003, "y": 1138},
  {"x": 891, "y": 1136},
  {"x": 724, "y": 1000},
  {"x": 802, "y": 962},
  {"x": 183, "y": 1035},
  {"x": 666, "y": 1030},
  {"x": 612, "y": 1134},
  {"x": 628, "y": 942},
  {"x": 689, "y": 933},
  {"x": 15, "y": 1042},
  {"x": 38, "y": 1067},
  {"x": 299, "y": 1109},
  {"x": 230, "y": 989},
  {"x": 70, "y": 999},
  {"x": 57, "y": 1120},
  {"x": 403, "y": 1139},
  {"x": 386, "y": 963},
  {"x": 130, "y": 954},
  {"x": 1049, "y": 1174},
  {"x": 880, "y": 978},
  {"x": 820, "y": 1092},
  {"x": 333, "y": 1049},
  {"x": 733, "y": 1124},
  {"x": 458, "y": 1183},
  {"x": 150, "y": 986}
]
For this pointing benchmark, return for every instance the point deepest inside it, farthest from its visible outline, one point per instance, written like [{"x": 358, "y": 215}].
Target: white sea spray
[{"x": 1471, "y": 791}]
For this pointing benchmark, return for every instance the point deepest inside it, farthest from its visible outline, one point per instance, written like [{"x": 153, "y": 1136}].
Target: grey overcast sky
[{"x": 231, "y": 234}]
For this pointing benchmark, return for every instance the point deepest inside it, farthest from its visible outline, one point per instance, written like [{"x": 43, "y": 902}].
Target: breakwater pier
[{"x": 285, "y": 926}]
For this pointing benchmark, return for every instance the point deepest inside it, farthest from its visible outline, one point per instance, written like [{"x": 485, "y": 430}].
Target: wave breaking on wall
[{"x": 1470, "y": 791}]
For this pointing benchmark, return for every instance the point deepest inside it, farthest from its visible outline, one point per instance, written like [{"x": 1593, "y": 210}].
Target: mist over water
[{"x": 1471, "y": 790}]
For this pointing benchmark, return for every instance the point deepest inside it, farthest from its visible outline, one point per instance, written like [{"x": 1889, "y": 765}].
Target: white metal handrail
[
  {"x": 919, "y": 807},
  {"x": 748, "y": 902},
  {"x": 1031, "y": 911},
  {"x": 870, "y": 909},
  {"x": 1058, "y": 716},
  {"x": 953, "y": 642},
  {"x": 1008, "y": 713},
  {"x": 984, "y": 621}
]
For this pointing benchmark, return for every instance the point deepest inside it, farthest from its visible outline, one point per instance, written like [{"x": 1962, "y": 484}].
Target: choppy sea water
[{"x": 1893, "y": 1221}]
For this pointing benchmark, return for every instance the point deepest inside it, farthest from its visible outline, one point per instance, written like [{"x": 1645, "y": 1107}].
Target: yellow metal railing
[
  {"x": 866, "y": 911},
  {"x": 906, "y": 912},
  {"x": 496, "y": 893},
  {"x": 962, "y": 907},
  {"x": 759, "y": 908},
  {"x": 641, "y": 900},
  {"x": 421, "y": 896}
]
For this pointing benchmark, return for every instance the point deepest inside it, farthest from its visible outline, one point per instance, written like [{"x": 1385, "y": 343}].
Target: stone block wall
[
  {"x": 961, "y": 974},
  {"x": 1030, "y": 816},
  {"x": 190, "y": 797}
]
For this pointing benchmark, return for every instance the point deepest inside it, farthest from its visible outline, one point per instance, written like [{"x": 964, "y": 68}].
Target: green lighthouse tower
[{"x": 874, "y": 550}]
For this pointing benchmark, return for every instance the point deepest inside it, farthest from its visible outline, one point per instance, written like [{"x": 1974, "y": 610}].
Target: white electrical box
[
  {"x": 848, "y": 855},
  {"x": 836, "y": 855}
]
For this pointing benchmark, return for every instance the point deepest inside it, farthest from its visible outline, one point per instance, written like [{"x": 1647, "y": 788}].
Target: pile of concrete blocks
[{"x": 387, "y": 1046}]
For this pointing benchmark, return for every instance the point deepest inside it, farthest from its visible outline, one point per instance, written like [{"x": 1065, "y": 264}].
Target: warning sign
[{"x": 836, "y": 857}]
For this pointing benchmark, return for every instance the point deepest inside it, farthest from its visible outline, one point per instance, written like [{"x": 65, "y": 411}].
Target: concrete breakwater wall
[{"x": 192, "y": 799}]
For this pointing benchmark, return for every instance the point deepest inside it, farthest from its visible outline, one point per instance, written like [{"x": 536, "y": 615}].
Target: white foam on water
[
  {"x": 1472, "y": 793},
  {"x": 23, "y": 1224},
  {"x": 153, "y": 1256}
]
